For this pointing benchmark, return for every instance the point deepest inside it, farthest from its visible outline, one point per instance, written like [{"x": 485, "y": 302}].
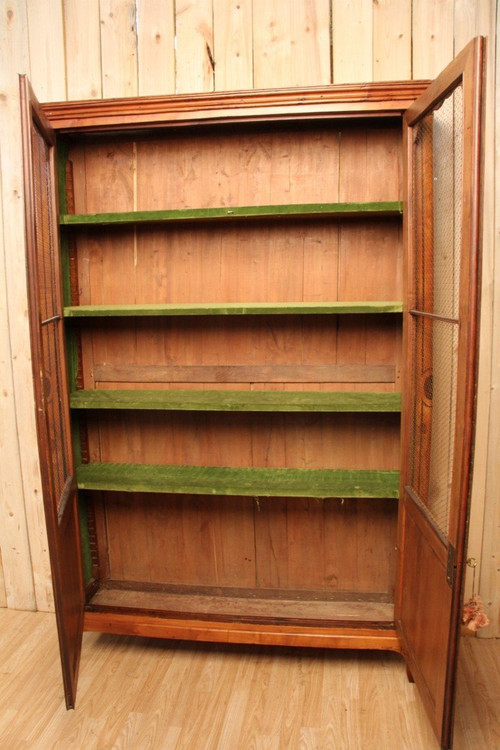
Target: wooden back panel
[{"x": 326, "y": 546}]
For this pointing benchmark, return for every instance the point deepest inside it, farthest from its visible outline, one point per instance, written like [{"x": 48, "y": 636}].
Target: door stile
[
  {"x": 50, "y": 382},
  {"x": 432, "y": 548}
]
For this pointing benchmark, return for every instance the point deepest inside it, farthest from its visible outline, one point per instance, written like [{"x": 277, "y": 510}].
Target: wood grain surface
[{"x": 154, "y": 694}]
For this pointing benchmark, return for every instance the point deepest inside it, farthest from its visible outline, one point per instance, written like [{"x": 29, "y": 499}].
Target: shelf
[
  {"x": 227, "y": 400},
  {"x": 308, "y": 210},
  {"x": 233, "y": 308},
  {"x": 254, "y": 482},
  {"x": 250, "y": 605}
]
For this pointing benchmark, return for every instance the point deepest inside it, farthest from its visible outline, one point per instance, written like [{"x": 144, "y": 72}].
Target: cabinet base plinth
[{"x": 222, "y": 632}]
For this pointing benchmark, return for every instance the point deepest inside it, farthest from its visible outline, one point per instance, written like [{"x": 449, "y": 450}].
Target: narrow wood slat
[
  {"x": 330, "y": 210},
  {"x": 192, "y": 400},
  {"x": 132, "y": 373},
  {"x": 282, "y": 41},
  {"x": 118, "y": 37},
  {"x": 82, "y": 32},
  {"x": 216, "y": 480},
  {"x": 233, "y": 308}
]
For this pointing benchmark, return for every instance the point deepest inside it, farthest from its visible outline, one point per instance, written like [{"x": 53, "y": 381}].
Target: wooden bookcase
[
  {"x": 237, "y": 388},
  {"x": 226, "y": 275}
]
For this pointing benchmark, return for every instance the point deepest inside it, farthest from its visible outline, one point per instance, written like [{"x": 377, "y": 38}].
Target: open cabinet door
[
  {"x": 442, "y": 131},
  {"x": 49, "y": 373}
]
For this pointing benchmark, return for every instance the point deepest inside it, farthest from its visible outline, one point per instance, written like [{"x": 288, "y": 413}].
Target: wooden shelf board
[
  {"x": 250, "y": 608},
  {"x": 233, "y": 308},
  {"x": 327, "y": 210},
  {"x": 258, "y": 482},
  {"x": 227, "y": 400}
]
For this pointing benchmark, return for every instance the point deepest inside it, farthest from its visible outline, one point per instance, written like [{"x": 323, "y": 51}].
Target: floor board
[{"x": 144, "y": 694}]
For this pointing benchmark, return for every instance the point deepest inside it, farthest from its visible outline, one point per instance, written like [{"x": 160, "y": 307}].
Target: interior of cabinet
[{"x": 235, "y": 373}]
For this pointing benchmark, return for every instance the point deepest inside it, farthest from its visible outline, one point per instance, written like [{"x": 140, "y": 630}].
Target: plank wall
[{"x": 85, "y": 49}]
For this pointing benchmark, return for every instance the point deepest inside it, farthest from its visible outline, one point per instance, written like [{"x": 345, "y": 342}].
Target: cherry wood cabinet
[{"x": 229, "y": 294}]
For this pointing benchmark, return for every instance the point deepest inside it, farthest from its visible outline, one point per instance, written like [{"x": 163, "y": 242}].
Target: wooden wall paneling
[
  {"x": 233, "y": 44},
  {"x": 118, "y": 48},
  {"x": 195, "y": 62},
  {"x": 472, "y": 18},
  {"x": 16, "y": 585},
  {"x": 291, "y": 48},
  {"x": 489, "y": 574},
  {"x": 155, "y": 47},
  {"x": 3, "y": 593},
  {"x": 46, "y": 42},
  {"x": 433, "y": 24},
  {"x": 392, "y": 21},
  {"x": 24, "y": 543},
  {"x": 352, "y": 40},
  {"x": 82, "y": 27},
  {"x": 469, "y": 21}
]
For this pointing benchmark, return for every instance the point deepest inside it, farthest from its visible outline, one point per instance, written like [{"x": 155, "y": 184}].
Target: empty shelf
[
  {"x": 215, "y": 480},
  {"x": 328, "y": 210},
  {"x": 227, "y": 400}
]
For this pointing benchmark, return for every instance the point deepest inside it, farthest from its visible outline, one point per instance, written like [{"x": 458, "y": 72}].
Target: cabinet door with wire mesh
[
  {"x": 442, "y": 211},
  {"x": 49, "y": 375}
]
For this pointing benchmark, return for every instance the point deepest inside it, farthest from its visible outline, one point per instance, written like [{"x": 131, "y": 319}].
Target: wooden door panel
[
  {"x": 50, "y": 383},
  {"x": 442, "y": 133}
]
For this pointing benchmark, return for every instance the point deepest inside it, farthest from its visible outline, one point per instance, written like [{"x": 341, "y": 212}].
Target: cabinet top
[{"x": 352, "y": 100}]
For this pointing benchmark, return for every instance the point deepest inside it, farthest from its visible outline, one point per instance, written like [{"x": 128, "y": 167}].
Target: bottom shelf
[
  {"x": 263, "y": 622},
  {"x": 247, "y": 608}
]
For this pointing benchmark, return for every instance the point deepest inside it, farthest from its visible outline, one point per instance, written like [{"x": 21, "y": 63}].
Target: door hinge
[{"x": 451, "y": 567}]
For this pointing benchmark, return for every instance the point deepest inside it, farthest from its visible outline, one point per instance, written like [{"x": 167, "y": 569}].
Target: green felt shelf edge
[
  {"x": 327, "y": 210},
  {"x": 233, "y": 308},
  {"x": 253, "y": 482},
  {"x": 228, "y": 400}
]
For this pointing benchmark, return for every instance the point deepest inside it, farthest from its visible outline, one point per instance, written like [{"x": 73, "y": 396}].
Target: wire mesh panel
[
  {"x": 437, "y": 155},
  {"x": 50, "y": 320},
  {"x": 434, "y": 406}
]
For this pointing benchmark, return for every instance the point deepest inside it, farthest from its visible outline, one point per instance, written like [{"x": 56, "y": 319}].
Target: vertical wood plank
[
  {"x": 233, "y": 44},
  {"x": 391, "y": 40},
  {"x": 433, "y": 22},
  {"x": 17, "y": 423},
  {"x": 195, "y": 46},
  {"x": 352, "y": 40},
  {"x": 472, "y": 18},
  {"x": 489, "y": 362},
  {"x": 292, "y": 47},
  {"x": 13, "y": 536},
  {"x": 46, "y": 42},
  {"x": 155, "y": 47},
  {"x": 83, "y": 49},
  {"x": 3, "y": 594},
  {"x": 118, "y": 48},
  {"x": 466, "y": 22}
]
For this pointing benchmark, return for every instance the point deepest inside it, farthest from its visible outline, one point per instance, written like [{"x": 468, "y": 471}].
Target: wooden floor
[{"x": 138, "y": 694}]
